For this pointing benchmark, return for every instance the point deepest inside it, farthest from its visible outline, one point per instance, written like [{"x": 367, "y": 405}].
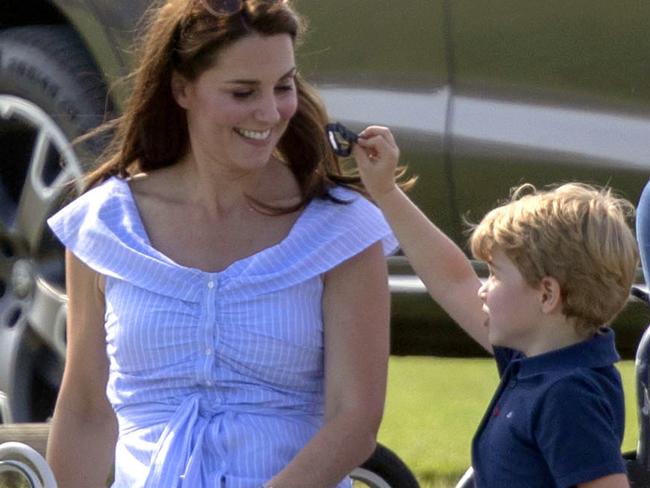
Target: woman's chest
[
  {"x": 211, "y": 242},
  {"x": 283, "y": 328}
]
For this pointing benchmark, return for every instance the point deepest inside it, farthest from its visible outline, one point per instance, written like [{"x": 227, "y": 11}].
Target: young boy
[{"x": 561, "y": 265}]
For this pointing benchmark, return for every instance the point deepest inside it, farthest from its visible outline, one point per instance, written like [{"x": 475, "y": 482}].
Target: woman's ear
[
  {"x": 550, "y": 295},
  {"x": 179, "y": 89}
]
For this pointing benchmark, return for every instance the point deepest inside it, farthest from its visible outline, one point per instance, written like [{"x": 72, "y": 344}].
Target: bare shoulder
[{"x": 157, "y": 185}]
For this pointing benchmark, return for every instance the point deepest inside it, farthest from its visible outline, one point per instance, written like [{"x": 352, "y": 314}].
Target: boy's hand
[{"x": 377, "y": 156}]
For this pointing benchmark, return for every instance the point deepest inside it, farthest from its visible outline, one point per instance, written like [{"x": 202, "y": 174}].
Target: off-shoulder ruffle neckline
[{"x": 140, "y": 229}]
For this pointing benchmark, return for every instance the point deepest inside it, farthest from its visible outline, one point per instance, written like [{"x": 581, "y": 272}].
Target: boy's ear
[
  {"x": 550, "y": 295},
  {"x": 179, "y": 89}
]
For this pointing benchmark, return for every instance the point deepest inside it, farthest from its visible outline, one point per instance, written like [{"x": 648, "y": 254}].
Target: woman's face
[{"x": 238, "y": 109}]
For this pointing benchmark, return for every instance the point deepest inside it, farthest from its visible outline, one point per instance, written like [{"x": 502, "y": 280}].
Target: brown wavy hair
[{"x": 182, "y": 36}]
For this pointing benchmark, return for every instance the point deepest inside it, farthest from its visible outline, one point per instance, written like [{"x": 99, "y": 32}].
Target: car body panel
[
  {"x": 549, "y": 91},
  {"x": 481, "y": 97},
  {"x": 108, "y": 28}
]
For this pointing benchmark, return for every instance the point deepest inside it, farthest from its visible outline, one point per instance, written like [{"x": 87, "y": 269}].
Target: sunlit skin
[
  {"x": 238, "y": 109},
  {"x": 511, "y": 305},
  {"x": 526, "y": 318}
]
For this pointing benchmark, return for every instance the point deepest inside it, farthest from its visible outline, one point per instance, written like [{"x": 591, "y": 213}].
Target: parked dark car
[{"x": 481, "y": 96}]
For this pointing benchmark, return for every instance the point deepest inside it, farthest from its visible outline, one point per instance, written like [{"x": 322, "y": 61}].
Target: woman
[{"x": 228, "y": 302}]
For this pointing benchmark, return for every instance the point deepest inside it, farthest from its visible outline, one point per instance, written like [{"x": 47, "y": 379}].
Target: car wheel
[
  {"x": 50, "y": 93},
  {"x": 384, "y": 469}
]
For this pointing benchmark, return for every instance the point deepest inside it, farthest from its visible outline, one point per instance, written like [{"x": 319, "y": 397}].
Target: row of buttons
[{"x": 209, "y": 351}]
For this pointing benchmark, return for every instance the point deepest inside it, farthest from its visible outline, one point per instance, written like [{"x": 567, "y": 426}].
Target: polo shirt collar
[{"x": 597, "y": 352}]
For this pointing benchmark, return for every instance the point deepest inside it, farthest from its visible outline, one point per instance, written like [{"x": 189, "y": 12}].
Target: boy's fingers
[
  {"x": 376, "y": 130},
  {"x": 379, "y": 145},
  {"x": 376, "y": 140},
  {"x": 366, "y": 157},
  {"x": 360, "y": 155}
]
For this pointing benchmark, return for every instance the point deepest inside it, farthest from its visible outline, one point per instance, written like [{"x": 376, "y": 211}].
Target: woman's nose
[{"x": 267, "y": 111}]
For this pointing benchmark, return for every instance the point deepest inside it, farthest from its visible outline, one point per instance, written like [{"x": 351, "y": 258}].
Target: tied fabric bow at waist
[
  {"x": 178, "y": 458},
  {"x": 176, "y": 463}
]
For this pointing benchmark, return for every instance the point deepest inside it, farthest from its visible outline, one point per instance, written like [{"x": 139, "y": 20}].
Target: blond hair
[{"x": 575, "y": 233}]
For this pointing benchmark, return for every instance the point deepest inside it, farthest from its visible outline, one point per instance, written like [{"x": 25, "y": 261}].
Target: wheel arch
[
  {"x": 49, "y": 79},
  {"x": 84, "y": 21},
  {"x": 30, "y": 12}
]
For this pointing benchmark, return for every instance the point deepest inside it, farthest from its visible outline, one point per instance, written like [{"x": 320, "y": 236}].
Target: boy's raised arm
[{"x": 438, "y": 261}]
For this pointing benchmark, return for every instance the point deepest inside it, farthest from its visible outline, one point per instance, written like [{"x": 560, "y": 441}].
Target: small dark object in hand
[{"x": 340, "y": 138}]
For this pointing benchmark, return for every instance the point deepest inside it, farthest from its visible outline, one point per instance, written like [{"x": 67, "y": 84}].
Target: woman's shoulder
[
  {"x": 344, "y": 202},
  {"x": 163, "y": 181},
  {"x": 94, "y": 203},
  {"x": 102, "y": 207},
  {"x": 115, "y": 195},
  {"x": 102, "y": 229},
  {"x": 346, "y": 216},
  {"x": 107, "y": 209},
  {"x": 103, "y": 190},
  {"x": 328, "y": 232}
]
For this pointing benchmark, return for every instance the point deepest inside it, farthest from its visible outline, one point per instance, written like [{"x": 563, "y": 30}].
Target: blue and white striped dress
[{"x": 216, "y": 378}]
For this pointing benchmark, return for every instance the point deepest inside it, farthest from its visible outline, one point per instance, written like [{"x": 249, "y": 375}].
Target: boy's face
[{"x": 513, "y": 307}]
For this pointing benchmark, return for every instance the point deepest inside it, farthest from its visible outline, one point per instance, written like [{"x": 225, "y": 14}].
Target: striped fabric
[{"x": 216, "y": 378}]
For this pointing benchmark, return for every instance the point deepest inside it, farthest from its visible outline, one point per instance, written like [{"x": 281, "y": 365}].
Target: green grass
[{"x": 433, "y": 408}]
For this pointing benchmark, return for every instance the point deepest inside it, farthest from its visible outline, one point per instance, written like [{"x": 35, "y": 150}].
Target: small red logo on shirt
[{"x": 496, "y": 411}]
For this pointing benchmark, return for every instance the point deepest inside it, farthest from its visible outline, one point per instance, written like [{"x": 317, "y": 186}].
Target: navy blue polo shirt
[{"x": 556, "y": 420}]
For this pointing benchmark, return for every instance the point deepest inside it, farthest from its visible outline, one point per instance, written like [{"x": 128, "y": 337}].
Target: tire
[
  {"x": 467, "y": 480},
  {"x": 384, "y": 469},
  {"x": 23, "y": 465},
  {"x": 50, "y": 93}
]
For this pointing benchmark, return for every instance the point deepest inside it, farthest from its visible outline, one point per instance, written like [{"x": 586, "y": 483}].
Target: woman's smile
[
  {"x": 238, "y": 109},
  {"x": 256, "y": 138},
  {"x": 255, "y": 135}
]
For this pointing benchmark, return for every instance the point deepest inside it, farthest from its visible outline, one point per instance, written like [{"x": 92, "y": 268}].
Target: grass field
[{"x": 435, "y": 404}]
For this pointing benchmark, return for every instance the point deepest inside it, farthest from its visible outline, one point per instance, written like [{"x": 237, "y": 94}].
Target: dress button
[
  {"x": 208, "y": 351},
  {"x": 211, "y": 284},
  {"x": 209, "y": 383}
]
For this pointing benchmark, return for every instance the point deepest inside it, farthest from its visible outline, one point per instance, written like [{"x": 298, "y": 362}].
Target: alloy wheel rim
[{"x": 36, "y": 175}]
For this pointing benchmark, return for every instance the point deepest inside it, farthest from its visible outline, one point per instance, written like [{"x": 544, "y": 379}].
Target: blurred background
[{"x": 482, "y": 96}]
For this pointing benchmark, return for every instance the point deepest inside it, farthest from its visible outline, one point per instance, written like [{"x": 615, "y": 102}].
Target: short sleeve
[
  {"x": 577, "y": 432},
  {"x": 101, "y": 228},
  {"x": 325, "y": 235},
  {"x": 357, "y": 223}
]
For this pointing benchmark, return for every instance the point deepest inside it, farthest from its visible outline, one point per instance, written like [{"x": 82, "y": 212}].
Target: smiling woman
[
  {"x": 212, "y": 271},
  {"x": 235, "y": 120}
]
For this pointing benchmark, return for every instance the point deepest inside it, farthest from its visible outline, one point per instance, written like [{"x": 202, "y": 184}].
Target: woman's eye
[
  {"x": 242, "y": 94},
  {"x": 285, "y": 88}
]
